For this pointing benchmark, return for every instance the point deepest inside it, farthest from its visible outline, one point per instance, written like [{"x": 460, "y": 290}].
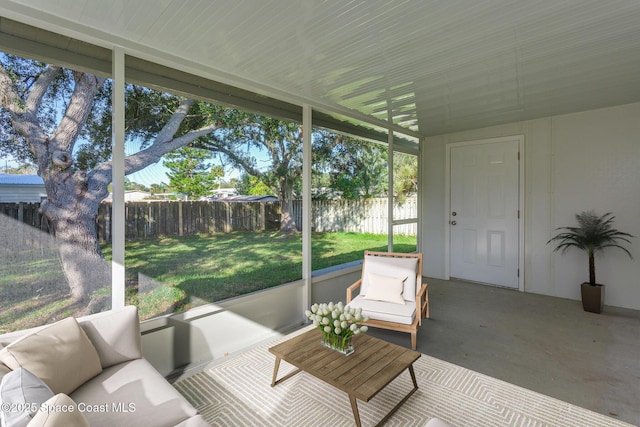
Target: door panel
[{"x": 484, "y": 212}]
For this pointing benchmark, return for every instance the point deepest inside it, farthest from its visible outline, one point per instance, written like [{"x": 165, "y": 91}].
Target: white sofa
[{"x": 121, "y": 389}]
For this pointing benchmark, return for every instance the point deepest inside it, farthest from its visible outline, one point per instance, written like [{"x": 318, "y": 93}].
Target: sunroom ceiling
[{"x": 434, "y": 66}]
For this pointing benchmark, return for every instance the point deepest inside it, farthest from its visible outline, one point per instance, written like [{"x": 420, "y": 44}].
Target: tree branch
[
  {"x": 101, "y": 174},
  {"x": 39, "y": 89},
  {"x": 77, "y": 111},
  {"x": 144, "y": 158},
  {"x": 169, "y": 130},
  {"x": 24, "y": 114},
  {"x": 240, "y": 161},
  {"x": 9, "y": 97}
]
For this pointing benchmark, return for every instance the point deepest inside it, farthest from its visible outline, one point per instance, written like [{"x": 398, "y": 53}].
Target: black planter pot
[{"x": 592, "y": 297}]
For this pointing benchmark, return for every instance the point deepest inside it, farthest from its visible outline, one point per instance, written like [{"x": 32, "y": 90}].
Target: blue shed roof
[{"x": 20, "y": 179}]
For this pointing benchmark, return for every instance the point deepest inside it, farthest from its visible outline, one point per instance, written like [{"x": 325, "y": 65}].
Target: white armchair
[{"x": 392, "y": 293}]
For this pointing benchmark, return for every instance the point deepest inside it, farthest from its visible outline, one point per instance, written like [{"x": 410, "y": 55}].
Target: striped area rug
[{"x": 238, "y": 392}]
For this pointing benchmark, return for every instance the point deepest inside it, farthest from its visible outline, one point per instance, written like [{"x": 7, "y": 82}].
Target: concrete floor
[{"x": 549, "y": 345}]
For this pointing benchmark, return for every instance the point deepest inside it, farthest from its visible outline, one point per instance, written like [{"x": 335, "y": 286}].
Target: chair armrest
[
  {"x": 352, "y": 288},
  {"x": 422, "y": 302},
  {"x": 421, "y": 291}
]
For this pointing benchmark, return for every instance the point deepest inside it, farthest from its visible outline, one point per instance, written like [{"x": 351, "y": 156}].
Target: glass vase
[{"x": 338, "y": 343}]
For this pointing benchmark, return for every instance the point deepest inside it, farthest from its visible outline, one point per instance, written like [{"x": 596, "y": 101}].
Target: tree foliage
[
  {"x": 358, "y": 169},
  {"x": 268, "y": 149},
  {"x": 252, "y": 186},
  {"x": 405, "y": 180},
  {"x": 190, "y": 172}
]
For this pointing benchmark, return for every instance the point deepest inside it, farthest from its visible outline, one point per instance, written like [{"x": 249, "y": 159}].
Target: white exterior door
[{"x": 483, "y": 218}]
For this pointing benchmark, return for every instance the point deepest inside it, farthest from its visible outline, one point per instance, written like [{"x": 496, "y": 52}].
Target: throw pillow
[
  {"x": 385, "y": 288},
  {"x": 59, "y": 354},
  {"x": 392, "y": 267},
  {"x": 59, "y": 411},
  {"x": 21, "y": 394},
  {"x": 115, "y": 334}
]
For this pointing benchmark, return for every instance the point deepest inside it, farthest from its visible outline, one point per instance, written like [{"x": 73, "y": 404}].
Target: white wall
[
  {"x": 573, "y": 162},
  {"x": 215, "y": 331}
]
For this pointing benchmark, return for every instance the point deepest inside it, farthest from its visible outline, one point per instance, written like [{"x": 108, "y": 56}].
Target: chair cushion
[
  {"x": 385, "y": 288},
  {"x": 59, "y": 411},
  {"x": 380, "y": 310},
  {"x": 134, "y": 394},
  {"x": 392, "y": 267},
  {"x": 60, "y": 354},
  {"x": 21, "y": 394}
]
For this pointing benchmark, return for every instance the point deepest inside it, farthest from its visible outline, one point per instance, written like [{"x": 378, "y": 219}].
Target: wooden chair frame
[{"x": 422, "y": 297}]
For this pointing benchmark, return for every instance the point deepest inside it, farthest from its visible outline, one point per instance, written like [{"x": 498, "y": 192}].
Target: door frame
[{"x": 521, "y": 205}]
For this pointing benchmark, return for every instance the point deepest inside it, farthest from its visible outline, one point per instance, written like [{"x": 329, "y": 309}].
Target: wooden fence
[
  {"x": 22, "y": 225},
  {"x": 359, "y": 216},
  {"x": 148, "y": 219},
  {"x": 179, "y": 218}
]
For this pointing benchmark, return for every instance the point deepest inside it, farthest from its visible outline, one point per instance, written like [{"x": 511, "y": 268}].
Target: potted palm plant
[{"x": 594, "y": 233}]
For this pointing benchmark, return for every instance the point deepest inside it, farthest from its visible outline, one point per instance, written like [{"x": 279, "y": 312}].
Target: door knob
[{"x": 453, "y": 223}]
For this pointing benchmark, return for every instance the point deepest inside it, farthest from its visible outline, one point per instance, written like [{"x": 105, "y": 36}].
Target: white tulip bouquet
[{"x": 338, "y": 323}]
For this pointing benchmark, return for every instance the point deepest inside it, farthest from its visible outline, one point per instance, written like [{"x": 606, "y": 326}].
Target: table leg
[
  {"x": 354, "y": 407},
  {"x": 413, "y": 377},
  {"x": 275, "y": 373},
  {"x": 404, "y": 399}
]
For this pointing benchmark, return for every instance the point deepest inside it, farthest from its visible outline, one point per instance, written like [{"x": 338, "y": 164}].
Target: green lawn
[{"x": 176, "y": 273}]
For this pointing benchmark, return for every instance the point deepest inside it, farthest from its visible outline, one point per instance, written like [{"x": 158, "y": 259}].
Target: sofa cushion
[
  {"x": 380, "y": 310},
  {"x": 135, "y": 394},
  {"x": 115, "y": 335},
  {"x": 393, "y": 267},
  {"x": 59, "y": 411},
  {"x": 59, "y": 354},
  {"x": 385, "y": 288},
  {"x": 21, "y": 394}
]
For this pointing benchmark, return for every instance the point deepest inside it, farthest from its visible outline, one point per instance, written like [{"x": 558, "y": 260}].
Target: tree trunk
[
  {"x": 592, "y": 269},
  {"x": 84, "y": 266},
  {"x": 72, "y": 213},
  {"x": 287, "y": 221}
]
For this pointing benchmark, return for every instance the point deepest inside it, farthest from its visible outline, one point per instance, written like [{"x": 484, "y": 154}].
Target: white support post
[
  {"x": 419, "y": 248},
  {"x": 306, "y": 204},
  {"x": 117, "y": 183},
  {"x": 390, "y": 192}
]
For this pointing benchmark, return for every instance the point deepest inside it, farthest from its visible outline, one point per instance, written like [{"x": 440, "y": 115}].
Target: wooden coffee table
[{"x": 362, "y": 374}]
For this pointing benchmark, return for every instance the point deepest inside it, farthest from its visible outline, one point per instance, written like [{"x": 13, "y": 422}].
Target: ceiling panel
[{"x": 437, "y": 66}]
